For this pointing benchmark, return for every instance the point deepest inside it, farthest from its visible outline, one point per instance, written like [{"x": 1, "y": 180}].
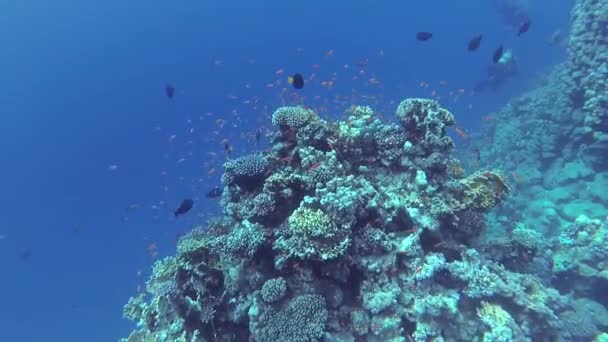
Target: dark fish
[
  {"x": 215, "y": 192},
  {"x": 297, "y": 81},
  {"x": 184, "y": 207},
  {"x": 169, "y": 90},
  {"x": 227, "y": 149},
  {"x": 524, "y": 27},
  {"x": 258, "y": 136},
  {"x": 423, "y": 36},
  {"x": 497, "y": 54},
  {"x": 474, "y": 43}
]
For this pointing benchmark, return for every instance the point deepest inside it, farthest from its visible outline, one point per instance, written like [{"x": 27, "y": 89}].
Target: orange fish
[
  {"x": 461, "y": 133},
  {"x": 330, "y": 53},
  {"x": 212, "y": 171}
]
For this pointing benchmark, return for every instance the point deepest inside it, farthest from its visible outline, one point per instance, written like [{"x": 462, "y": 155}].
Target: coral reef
[
  {"x": 362, "y": 230},
  {"x": 334, "y": 241}
]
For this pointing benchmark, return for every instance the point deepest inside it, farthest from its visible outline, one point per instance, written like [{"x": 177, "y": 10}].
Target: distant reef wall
[
  {"x": 553, "y": 140},
  {"x": 588, "y": 67}
]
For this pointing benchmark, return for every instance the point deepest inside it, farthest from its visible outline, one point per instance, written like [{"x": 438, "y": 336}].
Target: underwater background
[{"x": 115, "y": 112}]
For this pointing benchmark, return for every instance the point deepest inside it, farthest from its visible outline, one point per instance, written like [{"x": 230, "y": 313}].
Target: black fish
[
  {"x": 184, "y": 207},
  {"x": 227, "y": 149},
  {"x": 258, "y": 136},
  {"x": 297, "y": 81},
  {"x": 215, "y": 192},
  {"x": 524, "y": 27},
  {"x": 169, "y": 90},
  {"x": 474, "y": 43},
  {"x": 497, "y": 54},
  {"x": 423, "y": 36}
]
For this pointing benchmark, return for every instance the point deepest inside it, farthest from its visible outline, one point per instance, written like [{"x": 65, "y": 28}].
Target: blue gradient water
[{"x": 82, "y": 89}]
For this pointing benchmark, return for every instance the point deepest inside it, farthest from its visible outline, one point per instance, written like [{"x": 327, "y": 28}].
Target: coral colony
[{"x": 361, "y": 230}]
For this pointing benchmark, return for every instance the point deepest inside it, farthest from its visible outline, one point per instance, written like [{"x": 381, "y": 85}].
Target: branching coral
[
  {"x": 312, "y": 234},
  {"x": 425, "y": 123}
]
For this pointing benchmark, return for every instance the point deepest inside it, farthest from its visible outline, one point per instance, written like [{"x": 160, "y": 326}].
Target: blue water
[{"x": 83, "y": 91}]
